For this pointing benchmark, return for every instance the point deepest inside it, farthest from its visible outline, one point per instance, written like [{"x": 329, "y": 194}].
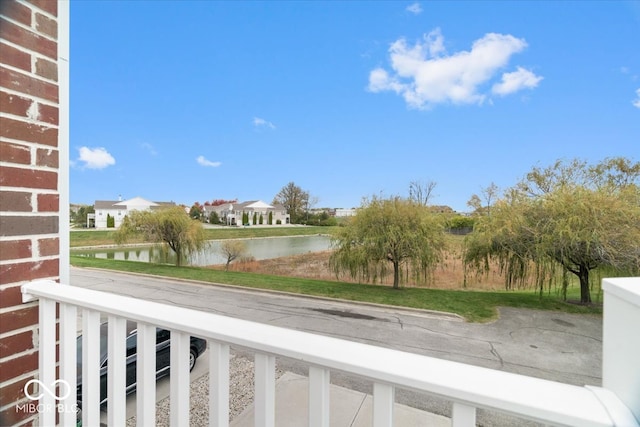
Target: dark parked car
[{"x": 163, "y": 360}]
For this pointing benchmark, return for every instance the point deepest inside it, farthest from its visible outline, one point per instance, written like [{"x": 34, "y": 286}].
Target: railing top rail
[{"x": 524, "y": 396}]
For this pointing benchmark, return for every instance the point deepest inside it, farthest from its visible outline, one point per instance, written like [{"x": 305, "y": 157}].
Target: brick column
[{"x": 30, "y": 186}]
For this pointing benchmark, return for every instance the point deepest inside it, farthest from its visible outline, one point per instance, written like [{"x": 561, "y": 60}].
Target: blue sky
[{"x": 195, "y": 101}]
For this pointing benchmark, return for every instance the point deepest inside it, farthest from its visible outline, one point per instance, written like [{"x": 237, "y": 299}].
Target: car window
[
  {"x": 131, "y": 344},
  {"x": 162, "y": 335}
]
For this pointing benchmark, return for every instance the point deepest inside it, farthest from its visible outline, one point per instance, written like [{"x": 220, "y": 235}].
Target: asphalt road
[{"x": 550, "y": 345}]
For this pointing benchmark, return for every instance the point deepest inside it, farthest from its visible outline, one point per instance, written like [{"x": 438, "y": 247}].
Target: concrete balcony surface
[{"x": 348, "y": 408}]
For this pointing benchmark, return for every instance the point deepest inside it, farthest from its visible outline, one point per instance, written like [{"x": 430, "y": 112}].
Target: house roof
[
  {"x": 259, "y": 205},
  {"x": 137, "y": 202},
  {"x": 108, "y": 204}
]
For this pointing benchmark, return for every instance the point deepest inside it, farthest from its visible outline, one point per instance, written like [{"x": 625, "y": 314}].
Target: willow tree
[
  {"x": 389, "y": 233},
  {"x": 171, "y": 227},
  {"x": 571, "y": 217}
]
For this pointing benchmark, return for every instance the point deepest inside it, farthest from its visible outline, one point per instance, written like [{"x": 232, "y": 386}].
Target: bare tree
[
  {"x": 232, "y": 249},
  {"x": 482, "y": 205},
  {"x": 490, "y": 194},
  {"x": 311, "y": 202},
  {"x": 421, "y": 192}
]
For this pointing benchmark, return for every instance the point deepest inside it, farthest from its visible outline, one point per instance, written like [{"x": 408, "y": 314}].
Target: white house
[
  {"x": 340, "y": 212},
  {"x": 231, "y": 213},
  {"x": 119, "y": 209}
]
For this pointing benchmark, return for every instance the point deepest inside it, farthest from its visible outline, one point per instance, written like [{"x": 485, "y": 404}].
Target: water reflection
[{"x": 259, "y": 248}]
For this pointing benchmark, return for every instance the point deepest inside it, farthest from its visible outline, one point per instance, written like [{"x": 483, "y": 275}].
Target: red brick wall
[{"x": 29, "y": 193}]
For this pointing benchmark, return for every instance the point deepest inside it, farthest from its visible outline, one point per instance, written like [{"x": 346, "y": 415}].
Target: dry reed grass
[{"x": 315, "y": 265}]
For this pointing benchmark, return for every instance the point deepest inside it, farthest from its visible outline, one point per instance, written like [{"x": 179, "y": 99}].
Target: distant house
[
  {"x": 118, "y": 209},
  {"x": 232, "y": 213},
  {"x": 340, "y": 212}
]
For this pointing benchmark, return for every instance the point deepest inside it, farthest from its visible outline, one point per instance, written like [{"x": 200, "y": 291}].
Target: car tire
[{"x": 193, "y": 355}]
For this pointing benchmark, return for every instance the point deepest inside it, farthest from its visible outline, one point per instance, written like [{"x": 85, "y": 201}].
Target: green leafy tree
[
  {"x": 295, "y": 200},
  {"x": 232, "y": 249},
  {"x": 196, "y": 211},
  {"x": 255, "y": 218},
  {"x": 389, "y": 232},
  {"x": 171, "y": 227},
  {"x": 111, "y": 221},
  {"x": 214, "y": 218},
  {"x": 270, "y": 218},
  {"x": 323, "y": 218},
  {"x": 79, "y": 217},
  {"x": 571, "y": 217}
]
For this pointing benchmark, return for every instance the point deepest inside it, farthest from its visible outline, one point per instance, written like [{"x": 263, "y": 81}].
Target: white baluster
[
  {"x": 180, "y": 381},
  {"x": 90, "y": 368},
  {"x": 383, "y": 400},
  {"x": 265, "y": 393},
  {"x": 116, "y": 371},
  {"x": 319, "y": 397},
  {"x": 68, "y": 361},
  {"x": 218, "y": 384},
  {"x": 146, "y": 376},
  {"x": 463, "y": 415},
  {"x": 47, "y": 360}
]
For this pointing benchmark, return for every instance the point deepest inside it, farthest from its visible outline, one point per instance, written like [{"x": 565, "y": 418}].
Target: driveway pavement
[{"x": 550, "y": 345}]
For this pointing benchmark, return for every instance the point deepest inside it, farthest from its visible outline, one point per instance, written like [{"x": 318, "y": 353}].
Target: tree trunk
[
  {"x": 585, "y": 293},
  {"x": 396, "y": 274}
]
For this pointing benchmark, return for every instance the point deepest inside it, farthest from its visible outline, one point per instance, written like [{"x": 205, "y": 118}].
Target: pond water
[{"x": 259, "y": 248}]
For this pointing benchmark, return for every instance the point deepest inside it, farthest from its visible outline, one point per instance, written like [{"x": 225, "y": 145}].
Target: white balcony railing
[{"x": 617, "y": 403}]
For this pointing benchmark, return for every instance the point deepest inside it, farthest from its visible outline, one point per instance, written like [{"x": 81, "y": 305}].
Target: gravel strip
[{"x": 241, "y": 375}]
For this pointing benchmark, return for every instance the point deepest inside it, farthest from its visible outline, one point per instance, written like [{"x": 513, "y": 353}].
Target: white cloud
[
  {"x": 515, "y": 81},
  {"x": 204, "y": 162},
  {"x": 415, "y": 8},
  {"x": 258, "y": 122},
  {"x": 95, "y": 158},
  {"x": 149, "y": 148},
  {"x": 424, "y": 74},
  {"x": 636, "y": 102}
]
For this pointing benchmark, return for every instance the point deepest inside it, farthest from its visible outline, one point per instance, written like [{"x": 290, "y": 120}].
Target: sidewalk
[{"x": 348, "y": 408}]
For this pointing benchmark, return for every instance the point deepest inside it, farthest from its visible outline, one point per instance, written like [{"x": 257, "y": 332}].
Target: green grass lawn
[
  {"x": 81, "y": 238},
  {"x": 475, "y": 306}
]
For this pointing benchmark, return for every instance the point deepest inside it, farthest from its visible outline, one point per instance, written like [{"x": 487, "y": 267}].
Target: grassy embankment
[{"x": 475, "y": 306}]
